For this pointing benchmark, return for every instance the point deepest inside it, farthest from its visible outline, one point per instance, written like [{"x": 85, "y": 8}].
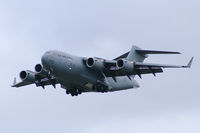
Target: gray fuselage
[{"x": 72, "y": 72}]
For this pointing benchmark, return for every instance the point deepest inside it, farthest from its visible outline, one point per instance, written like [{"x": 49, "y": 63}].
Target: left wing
[
  {"x": 44, "y": 81},
  {"x": 39, "y": 78},
  {"x": 20, "y": 84}
]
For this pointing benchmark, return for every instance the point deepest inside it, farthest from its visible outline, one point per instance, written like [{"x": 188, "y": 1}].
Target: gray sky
[{"x": 104, "y": 28}]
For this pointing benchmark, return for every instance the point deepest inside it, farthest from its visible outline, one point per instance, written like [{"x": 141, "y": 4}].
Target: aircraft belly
[{"x": 122, "y": 83}]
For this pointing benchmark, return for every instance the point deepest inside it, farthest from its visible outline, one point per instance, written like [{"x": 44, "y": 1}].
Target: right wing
[
  {"x": 139, "y": 68},
  {"x": 140, "y": 64},
  {"x": 137, "y": 71}
]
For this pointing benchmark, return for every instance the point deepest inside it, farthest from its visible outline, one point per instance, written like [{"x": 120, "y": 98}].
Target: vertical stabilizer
[{"x": 136, "y": 56}]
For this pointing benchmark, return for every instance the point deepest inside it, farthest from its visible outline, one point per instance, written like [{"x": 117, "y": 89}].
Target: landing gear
[
  {"x": 74, "y": 92},
  {"x": 79, "y": 91},
  {"x": 100, "y": 88},
  {"x": 67, "y": 91}
]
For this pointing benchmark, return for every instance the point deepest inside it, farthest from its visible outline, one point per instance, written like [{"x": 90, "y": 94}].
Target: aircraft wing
[
  {"x": 140, "y": 64},
  {"x": 39, "y": 80},
  {"x": 138, "y": 71},
  {"x": 20, "y": 84},
  {"x": 143, "y": 68}
]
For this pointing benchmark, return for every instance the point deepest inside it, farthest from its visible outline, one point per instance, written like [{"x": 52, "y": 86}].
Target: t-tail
[{"x": 137, "y": 54}]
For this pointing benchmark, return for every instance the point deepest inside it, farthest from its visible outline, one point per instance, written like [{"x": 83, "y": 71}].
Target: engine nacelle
[
  {"x": 39, "y": 69},
  {"x": 125, "y": 65},
  {"x": 27, "y": 76},
  {"x": 95, "y": 63}
]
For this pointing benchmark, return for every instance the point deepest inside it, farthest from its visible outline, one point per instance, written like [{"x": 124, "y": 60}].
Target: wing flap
[
  {"x": 148, "y": 71},
  {"x": 137, "y": 71},
  {"x": 44, "y": 82}
]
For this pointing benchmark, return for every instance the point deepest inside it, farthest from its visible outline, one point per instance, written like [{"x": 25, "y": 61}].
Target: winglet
[
  {"x": 14, "y": 82},
  {"x": 190, "y": 63}
]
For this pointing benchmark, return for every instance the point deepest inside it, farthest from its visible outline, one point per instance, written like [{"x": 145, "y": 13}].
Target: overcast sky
[{"x": 167, "y": 103}]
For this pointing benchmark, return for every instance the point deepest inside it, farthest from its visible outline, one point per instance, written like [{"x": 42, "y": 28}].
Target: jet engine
[
  {"x": 125, "y": 65},
  {"x": 27, "y": 76},
  {"x": 39, "y": 69},
  {"x": 95, "y": 63}
]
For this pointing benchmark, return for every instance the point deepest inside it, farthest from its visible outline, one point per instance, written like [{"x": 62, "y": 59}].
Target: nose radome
[{"x": 45, "y": 59}]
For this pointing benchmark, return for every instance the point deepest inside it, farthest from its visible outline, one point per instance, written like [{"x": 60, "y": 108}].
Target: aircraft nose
[{"x": 45, "y": 59}]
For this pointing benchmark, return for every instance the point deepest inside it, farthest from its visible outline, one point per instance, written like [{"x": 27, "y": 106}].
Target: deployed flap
[{"x": 137, "y": 71}]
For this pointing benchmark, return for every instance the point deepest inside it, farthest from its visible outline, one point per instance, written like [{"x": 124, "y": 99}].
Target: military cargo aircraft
[{"x": 78, "y": 75}]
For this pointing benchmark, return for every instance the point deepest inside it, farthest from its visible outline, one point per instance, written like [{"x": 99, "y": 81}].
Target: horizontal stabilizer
[{"x": 155, "y": 52}]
